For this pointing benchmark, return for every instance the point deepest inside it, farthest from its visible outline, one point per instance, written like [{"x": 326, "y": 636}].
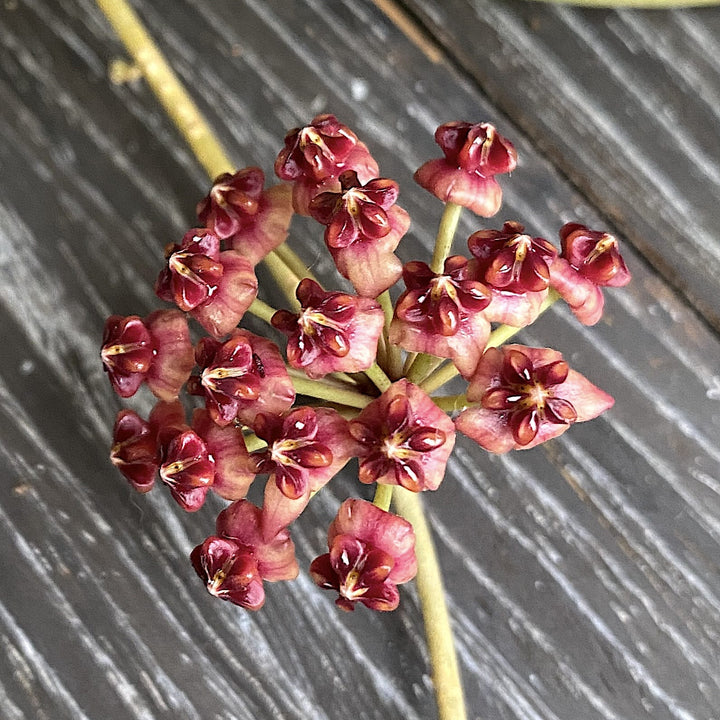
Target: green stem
[
  {"x": 394, "y": 361},
  {"x": 445, "y": 670},
  {"x": 451, "y": 403},
  {"x": 253, "y": 442},
  {"x": 329, "y": 391},
  {"x": 293, "y": 261},
  {"x": 383, "y": 496},
  {"x": 422, "y": 367},
  {"x": 376, "y": 375},
  {"x": 285, "y": 278},
  {"x": 262, "y": 310},
  {"x": 446, "y": 233}
]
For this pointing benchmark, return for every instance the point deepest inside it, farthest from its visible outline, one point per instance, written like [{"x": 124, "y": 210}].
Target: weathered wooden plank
[
  {"x": 583, "y": 576},
  {"x": 625, "y": 104}
]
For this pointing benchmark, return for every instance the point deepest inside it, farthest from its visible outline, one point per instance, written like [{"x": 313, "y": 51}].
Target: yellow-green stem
[
  {"x": 376, "y": 375},
  {"x": 293, "y": 261},
  {"x": 285, "y": 278},
  {"x": 253, "y": 442},
  {"x": 329, "y": 391},
  {"x": 422, "y": 367},
  {"x": 262, "y": 310},
  {"x": 451, "y": 403},
  {"x": 394, "y": 363},
  {"x": 383, "y": 496},
  {"x": 446, "y": 233},
  {"x": 445, "y": 670}
]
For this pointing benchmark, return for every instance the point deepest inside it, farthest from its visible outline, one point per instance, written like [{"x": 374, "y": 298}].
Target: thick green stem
[
  {"x": 445, "y": 670},
  {"x": 376, "y": 375},
  {"x": 285, "y": 278},
  {"x": 262, "y": 310},
  {"x": 329, "y": 391},
  {"x": 253, "y": 442},
  {"x": 446, "y": 233},
  {"x": 422, "y": 367},
  {"x": 383, "y": 496},
  {"x": 291, "y": 259}
]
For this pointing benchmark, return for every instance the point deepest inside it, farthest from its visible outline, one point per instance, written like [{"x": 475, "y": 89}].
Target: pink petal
[{"x": 174, "y": 358}]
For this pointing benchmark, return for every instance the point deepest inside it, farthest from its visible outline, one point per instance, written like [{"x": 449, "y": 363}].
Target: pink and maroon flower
[
  {"x": 254, "y": 221},
  {"x": 241, "y": 377},
  {"x": 363, "y": 229},
  {"x": 234, "y": 469},
  {"x": 134, "y": 450},
  {"x": 440, "y": 313},
  {"x": 371, "y": 552},
  {"x": 515, "y": 266},
  {"x": 307, "y": 447},
  {"x": 590, "y": 259},
  {"x": 404, "y": 439},
  {"x": 474, "y": 155},
  {"x": 315, "y": 156},
  {"x": 156, "y": 350},
  {"x": 334, "y": 332},
  {"x": 526, "y": 396},
  {"x": 234, "y": 562},
  {"x": 215, "y": 286}
]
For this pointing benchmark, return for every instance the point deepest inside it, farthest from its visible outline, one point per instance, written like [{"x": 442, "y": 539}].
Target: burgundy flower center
[
  {"x": 331, "y": 335},
  {"x": 510, "y": 260},
  {"x": 528, "y": 396},
  {"x": 394, "y": 448},
  {"x": 187, "y": 462},
  {"x": 127, "y": 347}
]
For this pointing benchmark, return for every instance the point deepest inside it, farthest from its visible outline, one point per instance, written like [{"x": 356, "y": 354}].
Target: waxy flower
[
  {"x": 474, "y": 154},
  {"x": 134, "y": 450},
  {"x": 234, "y": 562},
  {"x": 526, "y": 396},
  {"x": 363, "y": 229},
  {"x": 590, "y": 259},
  {"x": 371, "y": 552},
  {"x": 515, "y": 266},
  {"x": 315, "y": 156},
  {"x": 217, "y": 287},
  {"x": 306, "y": 448},
  {"x": 440, "y": 313},
  {"x": 188, "y": 469},
  {"x": 334, "y": 332},
  {"x": 156, "y": 350},
  {"x": 404, "y": 438},
  {"x": 234, "y": 469},
  {"x": 237, "y": 209},
  {"x": 241, "y": 377}
]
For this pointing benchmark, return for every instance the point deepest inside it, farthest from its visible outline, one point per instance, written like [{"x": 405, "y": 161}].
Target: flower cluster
[{"x": 355, "y": 376}]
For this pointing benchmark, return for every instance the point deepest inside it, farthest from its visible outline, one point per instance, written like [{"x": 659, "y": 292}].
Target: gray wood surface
[{"x": 583, "y": 576}]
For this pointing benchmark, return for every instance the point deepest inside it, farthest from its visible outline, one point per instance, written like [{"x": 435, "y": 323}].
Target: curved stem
[
  {"x": 376, "y": 375},
  {"x": 262, "y": 310},
  {"x": 445, "y": 670},
  {"x": 393, "y": 354}
]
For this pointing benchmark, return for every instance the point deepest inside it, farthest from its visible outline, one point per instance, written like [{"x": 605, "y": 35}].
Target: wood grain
[{"x": 583, "y": 576}]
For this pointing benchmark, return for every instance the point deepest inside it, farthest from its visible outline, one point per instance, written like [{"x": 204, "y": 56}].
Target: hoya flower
[
  {"x": 474, "y": 155},
  {"x": 516, "y": 268},
  {"x": 334, "y": 332},
  {"x": 440, "y": 313},
  {"x": 371, "y": 552},
  {"x": 234, "y": 562},
  {"x": 316, "y": 155},
  {"x": 241, "y": 377},
  {"x": 166, "y": 444},
  {"x": 589, "y": 260},
  {"x": 279, "y": 509},
  {"x": 524, "y": 396},
  {"x": 253, "y": 220},
  {"x": 134, "y": 450},
  {"x": 363, "y": 229},
  {"x": 216, "y": 287},
  {"x": 156, "y": 350},
  {"x": 404, "y": 439},
  {"x": 234, "y": 469}
]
